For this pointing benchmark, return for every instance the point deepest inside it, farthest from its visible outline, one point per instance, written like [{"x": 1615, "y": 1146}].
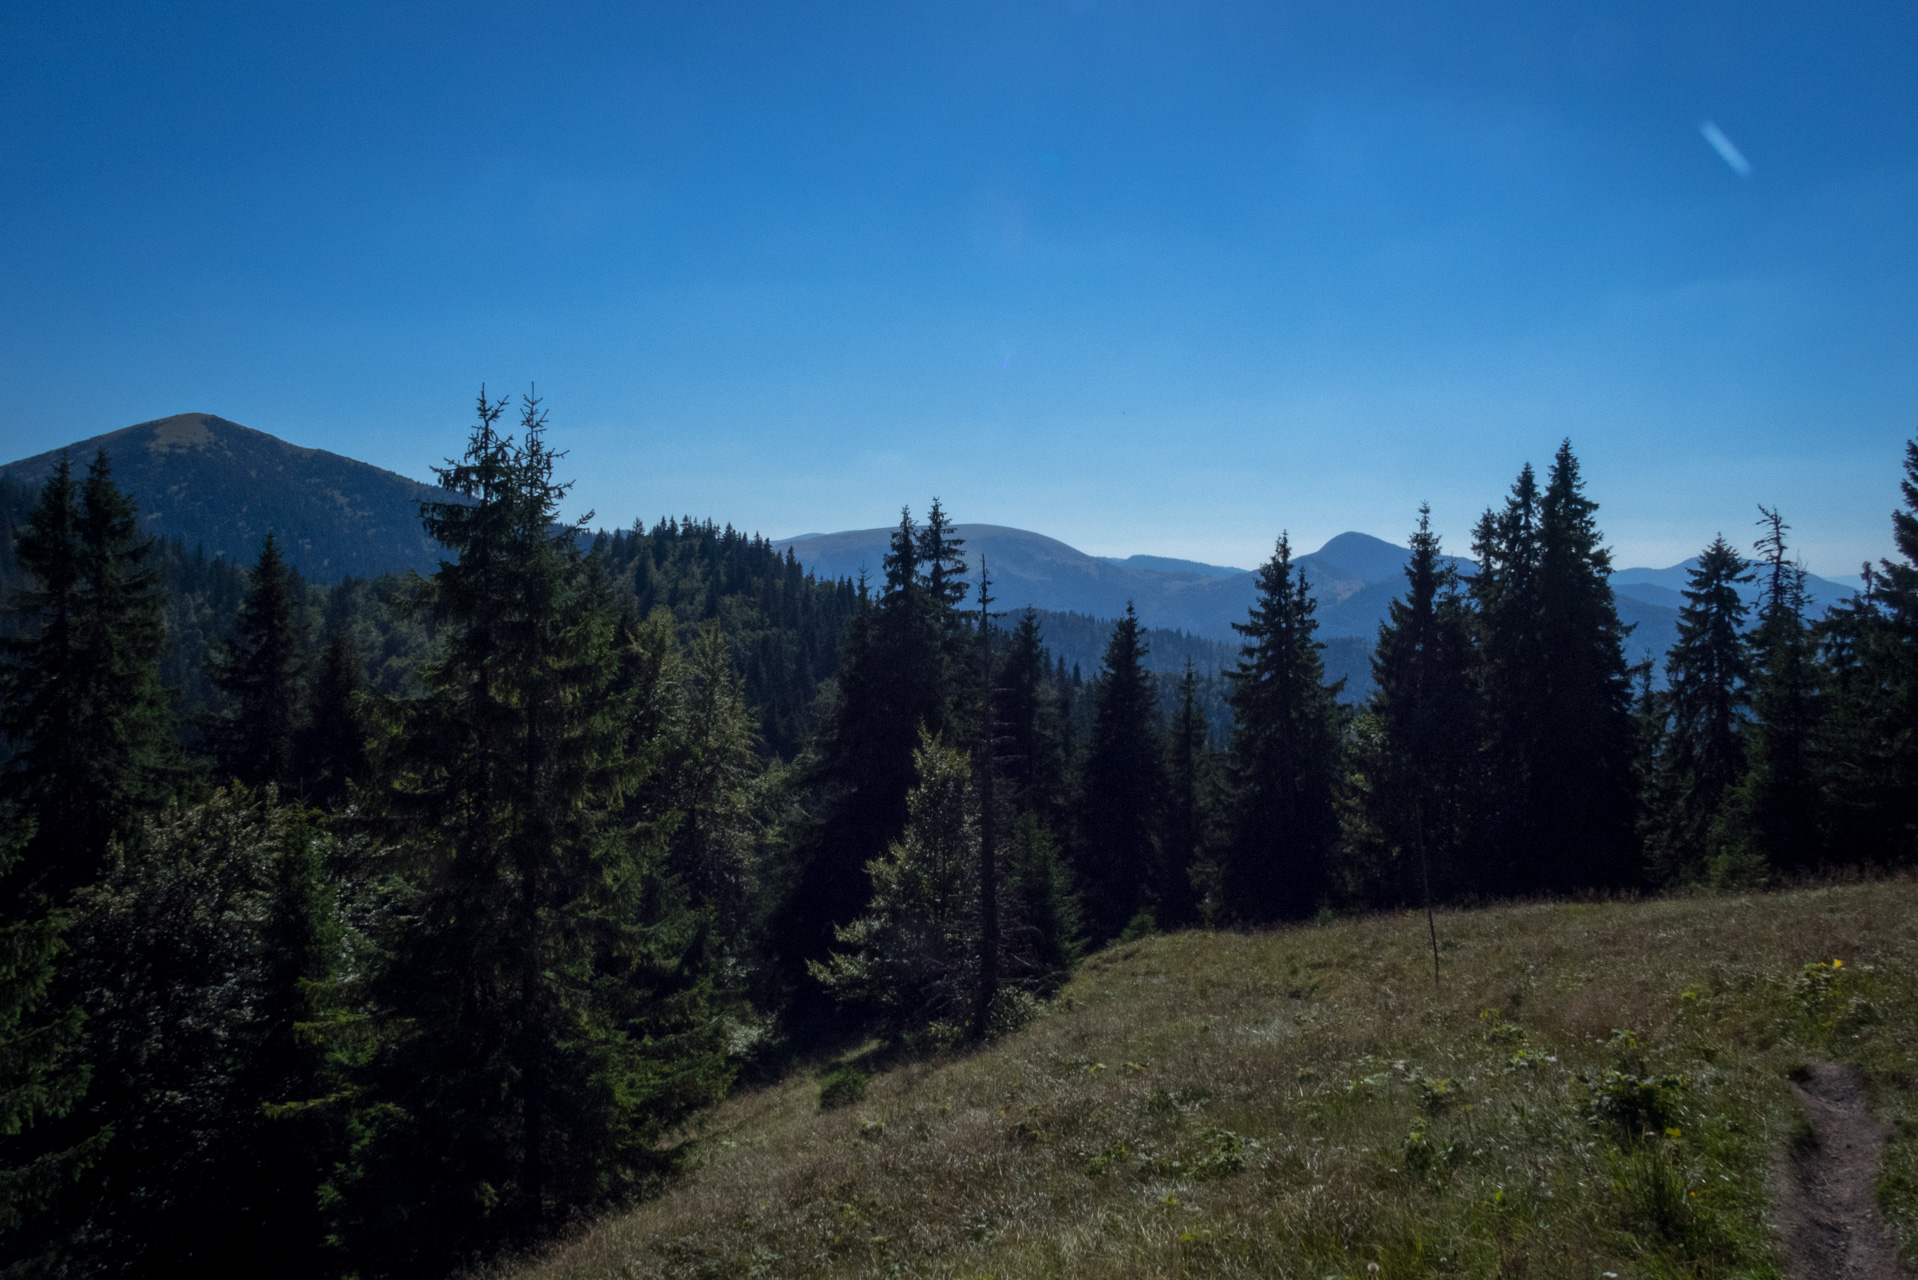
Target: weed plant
[{"x": 1598, "y": 1089}]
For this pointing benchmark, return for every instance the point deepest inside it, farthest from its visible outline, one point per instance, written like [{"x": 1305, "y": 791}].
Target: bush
[
  {"x": 842, "y": 1087},
  {"x": 1635, "y": 1108}
]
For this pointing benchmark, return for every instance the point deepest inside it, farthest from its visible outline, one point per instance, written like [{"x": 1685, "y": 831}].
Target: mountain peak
[{"x": 216, "y": 484}]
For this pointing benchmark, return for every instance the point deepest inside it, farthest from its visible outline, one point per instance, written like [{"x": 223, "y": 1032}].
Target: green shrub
[
  {"x": 841, "y": 1087},
  {"x": 1634, "y": 1108}
]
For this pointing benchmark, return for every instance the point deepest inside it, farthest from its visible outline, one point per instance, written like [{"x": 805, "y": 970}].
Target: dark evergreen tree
[
  {"x": 1284, "y": 759},
  {"x": 41, "y": 1075},
  {"x": 262, "y": 672},
  {"x": 84, "y": 709},
  {"x": 1868, "y": 752},
  {"x": 1121, "y": 783},
  {"x": 1588, "y": 801},
  {"x": 332, "y": 753},
  {"x": 1774, "y": 819},
  {"x": 545, "y": 1010},
  {"x": 1032, "y": 728},
  {"x": 896, "y": 679},
  {"x": 1512, "y": 678},
  {"x": 1041, "y": 927},
  {"x": 198, "y": 954},
  {"x": 1707, "y": 673},
  {"x": 940, "y": 562},
  {"x": 1858, "y": 759},
  {"x": 1559, "y": 802},
  {"x": 1182, "y": 841},
  {"x": 1425, "y": 729}
]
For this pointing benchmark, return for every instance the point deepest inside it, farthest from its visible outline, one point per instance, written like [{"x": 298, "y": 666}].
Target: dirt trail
[{"x": 1829, "y": 1224}]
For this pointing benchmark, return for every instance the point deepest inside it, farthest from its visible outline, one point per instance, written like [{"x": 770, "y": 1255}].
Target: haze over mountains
[{"x": 217, "y": 484}]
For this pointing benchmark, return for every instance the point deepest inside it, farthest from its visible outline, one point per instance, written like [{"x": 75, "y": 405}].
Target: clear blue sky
[{"x": 1149, "y": 277}]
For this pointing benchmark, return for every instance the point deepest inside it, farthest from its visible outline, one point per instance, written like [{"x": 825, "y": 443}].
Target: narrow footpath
[{"x": 1829, "y": 1224}]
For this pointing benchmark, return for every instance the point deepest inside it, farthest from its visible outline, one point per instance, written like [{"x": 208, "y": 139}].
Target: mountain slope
[
  {"x": 1305, "y": 1103},
  {"x": 217, "y": 484}
]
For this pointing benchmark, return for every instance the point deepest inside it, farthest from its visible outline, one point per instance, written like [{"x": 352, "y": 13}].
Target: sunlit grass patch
[{"x": 1595, "y": 1087}]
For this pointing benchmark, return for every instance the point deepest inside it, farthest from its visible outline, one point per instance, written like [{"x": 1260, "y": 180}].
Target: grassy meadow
[{"x": 1592, "y": 1090}]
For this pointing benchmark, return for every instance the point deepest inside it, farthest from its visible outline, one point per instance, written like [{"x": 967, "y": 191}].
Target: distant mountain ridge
[
  {"x": 1354, "y": 577},
  {"x": 218, "y": 485}
]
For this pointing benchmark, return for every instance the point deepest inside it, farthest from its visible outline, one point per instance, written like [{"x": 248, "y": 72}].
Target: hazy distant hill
[
  {"x": 1664, "y": 586},
  {"x": 1031, "y": 569},
  {"x": 1354, "y": 577},
  {"x": 220, "y": 485}
]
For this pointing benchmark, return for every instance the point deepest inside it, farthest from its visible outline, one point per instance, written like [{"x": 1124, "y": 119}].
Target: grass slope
[{"x": 1300, "y": 1103}]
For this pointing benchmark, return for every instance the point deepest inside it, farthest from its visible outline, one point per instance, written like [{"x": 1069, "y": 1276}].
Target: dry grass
[{"x": 1302, "y": 1104}]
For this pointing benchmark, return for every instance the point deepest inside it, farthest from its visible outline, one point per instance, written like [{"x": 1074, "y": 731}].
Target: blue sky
[{"x": 1149, "y": 277}]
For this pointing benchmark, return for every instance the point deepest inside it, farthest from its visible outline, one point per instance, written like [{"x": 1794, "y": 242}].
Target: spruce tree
[
  {"x": 1872, "y": 753},
  {"x": 1284, "y": 759},
  {"x": 1031, "y": 725},
  {"x": 545, "y": 1011},
  {"x": 1120, "y": 787},
  {"x": 84, "y": 709},
  {"x": 1182, "y": 841},
  {"x": 41, "y": 1076},
  {"x": 333, "y": 740},
  {"x": 262, "y": 673},
  {"x": 1774, "y": 817},
  {"x": 895, "y": 679},
  {"x": 1707, "y": 673},
  {"x": 913, "y": 955},
  {"x": 1041, "y": 923},
  {"x": 1424, "y": 709},
  {"x": 1559, "y": 804},
  {"x": 1512, "y": 679},
  {"x": 199, "y": 954},
  {"x": 1588, "y": 804},
  {"x": 712, "y": 766}
]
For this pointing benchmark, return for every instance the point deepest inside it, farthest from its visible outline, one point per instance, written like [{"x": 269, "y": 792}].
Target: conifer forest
[{"x": 387, "y": 927}]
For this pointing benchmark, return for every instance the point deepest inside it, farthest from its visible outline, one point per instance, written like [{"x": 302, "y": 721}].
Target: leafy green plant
[
  {"x": 1634, "y": 1108},
  {"x": 1224, "y": 1155}
]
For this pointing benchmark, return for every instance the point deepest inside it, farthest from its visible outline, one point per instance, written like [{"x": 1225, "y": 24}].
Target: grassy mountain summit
[
  {"x": 1593, "y": 1089},
  {"x": 217, "y": 484}
]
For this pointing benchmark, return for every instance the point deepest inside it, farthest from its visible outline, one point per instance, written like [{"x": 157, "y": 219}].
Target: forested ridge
[{"x": 373, "y": 929}]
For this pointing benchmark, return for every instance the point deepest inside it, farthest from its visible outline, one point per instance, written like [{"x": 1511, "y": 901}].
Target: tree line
[{"x": 406, "y": 921}]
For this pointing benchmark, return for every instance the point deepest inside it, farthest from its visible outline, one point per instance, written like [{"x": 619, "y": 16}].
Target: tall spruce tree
[
  {"x": 1284, "y": 757},
  {"x": 544, "y": 1009},
  {"x": 1872, "y": 753},
  {"x": 1031, "y": 725},
  {"x": 262, "y": 672},
  {"x": 1182, "y": 841},
  {"x": 1120, "y": 786},
  {"x": 1559, "y": 806},
  {"x": 896, "y": 678},
  {"x": 1587, "y": 797},
  {"x": 333, "y": 755},
  {"x": 1774, "y": 818},
  {"x": 1425, "y": 714},
  {"x": 84, "y": 708},
  {"x": 1707, "y": 673},
  {"x": 1512, "y": 683}
]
